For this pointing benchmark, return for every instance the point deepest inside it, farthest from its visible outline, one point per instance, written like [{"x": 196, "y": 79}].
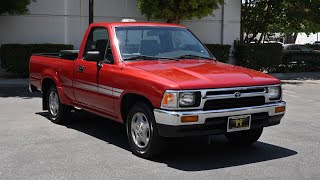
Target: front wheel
[
  {"x": 142, "y": 133},
  {"x": 244, "y": 138}
]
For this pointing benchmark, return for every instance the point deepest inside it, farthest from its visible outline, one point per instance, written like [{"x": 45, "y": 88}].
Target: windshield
[{"x": 159, "y": 42}]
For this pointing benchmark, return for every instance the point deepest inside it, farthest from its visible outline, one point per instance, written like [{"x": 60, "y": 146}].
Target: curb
[
  {"x": 14, "y": 82},
  {"x": 297, "y": 76}
]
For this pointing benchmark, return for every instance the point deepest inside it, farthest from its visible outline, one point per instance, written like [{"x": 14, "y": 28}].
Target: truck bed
[
  {"x": 46, "y": 64},
  {"x": 63, "y": 54}
]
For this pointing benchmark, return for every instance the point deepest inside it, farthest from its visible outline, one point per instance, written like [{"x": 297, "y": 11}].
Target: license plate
[{"x": 239, "y": 123}]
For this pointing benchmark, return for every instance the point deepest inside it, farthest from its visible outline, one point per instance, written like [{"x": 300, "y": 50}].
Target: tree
[
  {"x": 283, "y": 16},
  {"x": 173, "y": 11},
  {"x": 298, "y": 16},
  {"x": 14, "y": 6},
  {"x": 257, "y": 15}
]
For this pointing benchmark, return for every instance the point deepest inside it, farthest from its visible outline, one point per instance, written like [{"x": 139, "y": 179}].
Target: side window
[
  {"x": 304, "y": 48},
  {"x": 98, "y": 40},
  {"x": 295, "y": 48}
]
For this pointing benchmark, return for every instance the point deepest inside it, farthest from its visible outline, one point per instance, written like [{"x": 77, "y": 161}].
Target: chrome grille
[
  {"x": 218, "y": 104},
  {"x": 233, "y": 91},
  {"x": 226, "y": 98}
]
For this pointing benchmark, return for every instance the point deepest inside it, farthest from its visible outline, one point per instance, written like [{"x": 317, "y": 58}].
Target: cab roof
[{"x": 123, "y": 24}]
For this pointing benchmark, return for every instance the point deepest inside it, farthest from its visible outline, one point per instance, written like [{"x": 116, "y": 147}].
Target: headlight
[
  {"x": 187, "y": 99},
  {"x": 172, "y": 100},
  {"x": 274, "y": 92}
]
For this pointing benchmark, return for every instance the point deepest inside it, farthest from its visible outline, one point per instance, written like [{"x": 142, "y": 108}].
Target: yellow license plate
[{"x": 239, "y": 123}]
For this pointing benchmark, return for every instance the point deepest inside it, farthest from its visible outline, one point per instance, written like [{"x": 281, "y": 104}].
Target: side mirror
[{"x": 93, "y": 56}]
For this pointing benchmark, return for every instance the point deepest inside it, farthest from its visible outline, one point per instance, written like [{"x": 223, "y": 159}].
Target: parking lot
[{"x": 89, "y": 147}]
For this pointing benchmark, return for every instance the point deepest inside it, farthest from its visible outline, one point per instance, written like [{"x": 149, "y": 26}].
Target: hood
[{"x": 200, "y": 74}]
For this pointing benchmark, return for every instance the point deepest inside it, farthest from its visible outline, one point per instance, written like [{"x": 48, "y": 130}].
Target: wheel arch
[
  {"x": 46, "y": 83},
  {"x": 128, "y": 100}
]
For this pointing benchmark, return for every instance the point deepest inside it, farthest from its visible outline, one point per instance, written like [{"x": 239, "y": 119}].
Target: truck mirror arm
[{"x": 100, "y": 63}]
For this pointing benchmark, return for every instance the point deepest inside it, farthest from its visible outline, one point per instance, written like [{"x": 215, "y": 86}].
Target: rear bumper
[{"x": 215, "y": 121}]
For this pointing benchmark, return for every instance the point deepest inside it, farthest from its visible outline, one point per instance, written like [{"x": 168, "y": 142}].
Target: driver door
[{"x": 86, "y": 72}]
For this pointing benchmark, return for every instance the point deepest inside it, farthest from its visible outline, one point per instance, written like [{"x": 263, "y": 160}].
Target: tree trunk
[
  {"x": 291, "y": 38},
  {"x": 174, "y": 21},
  {"x": 252, "y": 38},
  {"x": 295, "y": 35},
  {"x": 261, "y": 37},
  {"x": 245, "y": 39},
  {"x": 243, "y": 13}
]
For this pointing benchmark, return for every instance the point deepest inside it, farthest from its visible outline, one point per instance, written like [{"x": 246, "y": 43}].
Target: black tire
[
  {"x": 244, "y": 138},
  {"x": 63, "y": 113},
  {"x": 156, "y": 143},
  {"x": 285, "y": 61}
]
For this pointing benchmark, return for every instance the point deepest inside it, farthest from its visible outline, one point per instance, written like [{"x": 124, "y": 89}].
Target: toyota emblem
[{"x": 237, "y": 94}]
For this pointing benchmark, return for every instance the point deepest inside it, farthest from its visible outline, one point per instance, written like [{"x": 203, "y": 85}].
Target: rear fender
[{"x": 54, "y": 78}]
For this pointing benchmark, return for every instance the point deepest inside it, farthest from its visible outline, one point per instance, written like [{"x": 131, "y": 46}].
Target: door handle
[{"x": 80, "y": 68}]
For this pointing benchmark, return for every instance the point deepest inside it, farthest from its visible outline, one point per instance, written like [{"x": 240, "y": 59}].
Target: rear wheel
[
  {"x": 142, "y": 133},
  {"x": 244, "y": 138},
  {"x": 58, "y": 112}
]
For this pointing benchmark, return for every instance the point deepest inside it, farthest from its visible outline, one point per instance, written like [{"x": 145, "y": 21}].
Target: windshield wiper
[
  {"x": 193, "y": 56},
  {"x": 140, "y": 57},
  {"x": 144, "y": 57}
]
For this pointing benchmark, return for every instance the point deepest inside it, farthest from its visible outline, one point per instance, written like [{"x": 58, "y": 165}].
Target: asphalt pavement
[{"x": 90, "y": 147}]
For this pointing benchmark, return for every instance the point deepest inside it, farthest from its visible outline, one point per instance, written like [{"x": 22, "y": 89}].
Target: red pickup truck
[{"x": 161, "y": 82}]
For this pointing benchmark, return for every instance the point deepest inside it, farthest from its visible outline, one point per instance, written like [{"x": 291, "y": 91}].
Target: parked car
[
  {"x": 316, "y": 43},
  {"x": 161, "y": 82},
  {"x": 273, "y": 42},
  {"x": 297, "y": 53}
]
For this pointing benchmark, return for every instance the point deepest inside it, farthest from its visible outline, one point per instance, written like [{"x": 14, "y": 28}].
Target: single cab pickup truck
[{"x": 161, "y": 82}]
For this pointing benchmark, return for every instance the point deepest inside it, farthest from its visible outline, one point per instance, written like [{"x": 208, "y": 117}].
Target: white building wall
[{"x": 65, "y": 21}]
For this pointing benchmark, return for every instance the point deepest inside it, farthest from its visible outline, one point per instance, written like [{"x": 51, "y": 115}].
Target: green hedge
[
  {"x": 221, "y": 52},
  {"x": 261, "y": 57},
  {"x": 15, "y": 57}
]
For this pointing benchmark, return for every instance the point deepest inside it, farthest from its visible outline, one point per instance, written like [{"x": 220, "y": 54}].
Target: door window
[{"x": 98, "y": 40}]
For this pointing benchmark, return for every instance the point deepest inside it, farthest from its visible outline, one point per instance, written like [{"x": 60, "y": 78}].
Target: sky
[{"x": 304, "y": 38}]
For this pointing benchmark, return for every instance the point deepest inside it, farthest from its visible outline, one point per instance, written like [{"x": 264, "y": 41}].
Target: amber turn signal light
[
  {"x": 188, "y": 119},
  {"x": 280, "y": 109}
]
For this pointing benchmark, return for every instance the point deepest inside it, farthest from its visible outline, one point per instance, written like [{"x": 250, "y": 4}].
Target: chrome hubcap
[
  {"x": 140, "y": 130},
  {"x": 53, "y": 103}
]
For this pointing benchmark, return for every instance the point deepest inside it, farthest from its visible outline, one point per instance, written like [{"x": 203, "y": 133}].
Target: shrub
[
  {"x": 15, "y": 57},
  {"x": 221, "y": 52},
  {"x": 261, "y": 57}
]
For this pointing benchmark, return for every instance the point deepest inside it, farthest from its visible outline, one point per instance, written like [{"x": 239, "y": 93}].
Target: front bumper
[{"x": 214, "y": 121}]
